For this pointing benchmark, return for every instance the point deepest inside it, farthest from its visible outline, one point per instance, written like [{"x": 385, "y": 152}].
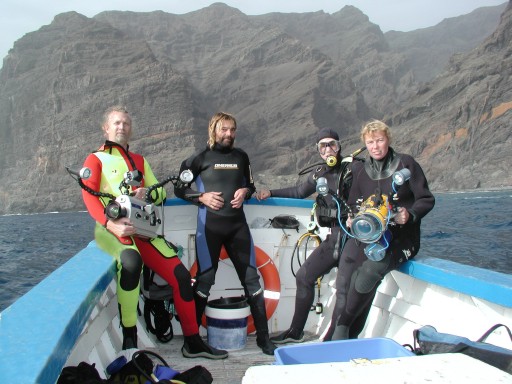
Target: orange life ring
[{"x": 271, "y": 283}]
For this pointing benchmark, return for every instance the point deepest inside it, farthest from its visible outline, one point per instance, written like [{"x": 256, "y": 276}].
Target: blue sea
[{"x": 473, "y": 228}]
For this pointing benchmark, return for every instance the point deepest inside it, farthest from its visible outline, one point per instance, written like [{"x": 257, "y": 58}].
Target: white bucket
[{"x": 226, "y": 321}]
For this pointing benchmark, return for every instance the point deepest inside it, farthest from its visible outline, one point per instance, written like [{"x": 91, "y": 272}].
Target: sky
[{"x": 18, "y": 17}]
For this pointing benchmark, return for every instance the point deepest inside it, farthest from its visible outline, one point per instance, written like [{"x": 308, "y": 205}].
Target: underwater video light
[{"x": 400, "y": 177}]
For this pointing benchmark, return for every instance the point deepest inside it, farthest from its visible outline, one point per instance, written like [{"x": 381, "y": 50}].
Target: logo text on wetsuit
[{"x": 225, "y": 166}]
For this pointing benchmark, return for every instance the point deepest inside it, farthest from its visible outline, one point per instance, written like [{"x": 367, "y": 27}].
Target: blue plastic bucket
[{"x": 226, "y": 320}]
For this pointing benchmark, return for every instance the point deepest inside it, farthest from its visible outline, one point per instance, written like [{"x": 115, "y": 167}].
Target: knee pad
[
  {"x": 204, "y": 282},
  {"x": 131, "y": 268},
  {"x": 183, "y": 277},
  {"x": 368, "y": 275},
  {"x": 252, "y": 282}
]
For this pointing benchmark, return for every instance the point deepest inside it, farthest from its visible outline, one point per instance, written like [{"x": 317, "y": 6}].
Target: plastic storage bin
[{"x": 340, "y": 351}]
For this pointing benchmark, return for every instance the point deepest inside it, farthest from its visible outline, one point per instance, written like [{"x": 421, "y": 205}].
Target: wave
[
  {"x": 438, "y": 235},
  {"x": 487, "y": 197},
  {"x": 468, "y": 191}
]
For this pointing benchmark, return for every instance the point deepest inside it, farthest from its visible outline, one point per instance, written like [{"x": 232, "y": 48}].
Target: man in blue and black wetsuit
[{"x": 223, "y": 178}]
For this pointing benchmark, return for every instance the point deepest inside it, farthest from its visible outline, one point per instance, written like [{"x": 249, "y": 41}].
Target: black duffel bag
[{"x": 427, "y": 340}]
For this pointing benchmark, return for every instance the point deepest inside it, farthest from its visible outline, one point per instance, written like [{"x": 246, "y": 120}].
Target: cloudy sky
[{"x": 18, "y": 17}]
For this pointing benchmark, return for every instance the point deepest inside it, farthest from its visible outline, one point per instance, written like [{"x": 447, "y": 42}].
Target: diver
[
  {"x": 222, "y": 174},
  {"x": 338, "y": 177},
  {"x": 118, "y": 236},
  {"x": 359, "y": 276}
]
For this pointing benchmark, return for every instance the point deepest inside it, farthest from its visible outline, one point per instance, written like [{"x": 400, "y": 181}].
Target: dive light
[
  {"x": 83, "y": 173},
  {"x": 400, "y": 177},
  {"x": 185, "y": 177}
]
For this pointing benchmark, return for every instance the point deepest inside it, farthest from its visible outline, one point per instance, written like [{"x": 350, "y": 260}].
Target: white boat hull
[{"x": 71, "y": 316}]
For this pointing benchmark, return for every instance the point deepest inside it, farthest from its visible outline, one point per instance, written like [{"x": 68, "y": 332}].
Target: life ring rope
[
  {"x": 271, "y": 283},
  {"x": 267, "y": 262}
]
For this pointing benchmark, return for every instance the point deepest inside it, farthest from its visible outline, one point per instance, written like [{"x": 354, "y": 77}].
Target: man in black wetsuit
[
  {"x": 222, "y": 175},
  {"x": 326, "y": 255},
  {"x": 360, "y": 275}
]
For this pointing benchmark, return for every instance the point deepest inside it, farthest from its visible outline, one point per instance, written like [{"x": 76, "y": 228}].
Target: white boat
[{"x": 71, "y": 316}]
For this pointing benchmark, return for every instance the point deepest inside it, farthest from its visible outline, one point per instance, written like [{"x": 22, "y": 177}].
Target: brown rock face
[{"x": 284, "y": 76}]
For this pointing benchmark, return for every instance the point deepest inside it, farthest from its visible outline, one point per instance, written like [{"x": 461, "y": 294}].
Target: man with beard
[{"x": 223, "y": 178}]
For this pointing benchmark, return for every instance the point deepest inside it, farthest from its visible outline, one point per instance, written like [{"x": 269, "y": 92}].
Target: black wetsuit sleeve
[
  {"x": 248, "y": 177},
  {"x": 303, "y": 190},
  {"x": 298, "y": 192},
  {"x": 423, "y": 198}
]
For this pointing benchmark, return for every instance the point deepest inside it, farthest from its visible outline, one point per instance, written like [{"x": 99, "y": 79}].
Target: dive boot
[
  {"x": 288, "y": 336},
  {"x": 259, "y": 315},
  {"x": 200, "y": 303},
  {"x": 129, "y": 337},
  {"x": 340, "y": 333},
  {"x": 194, "y": 346},
  {"x": 263, "y": 341}
]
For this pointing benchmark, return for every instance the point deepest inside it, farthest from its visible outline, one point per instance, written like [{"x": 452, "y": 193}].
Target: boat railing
[{"x": 41, "y": 328}]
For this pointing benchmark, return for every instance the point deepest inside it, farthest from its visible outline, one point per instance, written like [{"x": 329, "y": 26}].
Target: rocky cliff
[
  {"x": 464, "y": 117},
  {"x": 428, "y": 50},
  {"x": 283, "y": 75}
]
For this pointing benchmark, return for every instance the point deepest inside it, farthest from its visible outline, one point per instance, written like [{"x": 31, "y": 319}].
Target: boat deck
[
  {"x": 226, "y": 371},
  {"x": 251, "y": 366}
]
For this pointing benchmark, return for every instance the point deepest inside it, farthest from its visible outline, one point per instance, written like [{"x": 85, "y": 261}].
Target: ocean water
[{"x": 473, "y": 228}]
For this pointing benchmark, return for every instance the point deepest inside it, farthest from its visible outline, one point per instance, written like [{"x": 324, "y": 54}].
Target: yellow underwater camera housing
[{"x": 372, "y": 219}]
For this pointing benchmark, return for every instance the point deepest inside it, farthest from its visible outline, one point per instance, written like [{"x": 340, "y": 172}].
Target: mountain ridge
[{"x": 281, "y": 78}]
